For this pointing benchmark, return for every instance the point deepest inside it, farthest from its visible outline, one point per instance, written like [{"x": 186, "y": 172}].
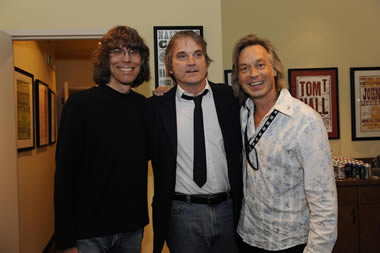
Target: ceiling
[{"x": 74, "y": 49}]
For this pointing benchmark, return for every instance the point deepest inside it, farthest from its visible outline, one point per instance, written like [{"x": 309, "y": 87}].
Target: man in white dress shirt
[
  {"x": 290, "y": 199},
  {"x": 194, "y": 212}
]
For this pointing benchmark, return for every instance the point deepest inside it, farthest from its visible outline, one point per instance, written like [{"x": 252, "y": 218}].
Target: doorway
[{"x": 53, "y": 62}]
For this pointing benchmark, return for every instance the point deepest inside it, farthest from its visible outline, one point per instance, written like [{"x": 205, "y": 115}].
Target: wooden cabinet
[
  {"x": 369, "y": 217},
  {"x": 348, "y": 228},
  {"x": 358, "y": 216}
]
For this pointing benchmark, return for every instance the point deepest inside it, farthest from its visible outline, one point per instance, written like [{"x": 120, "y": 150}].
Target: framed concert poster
[
  {"x": 42, "y": 113},
  {"x": 318, "y": 88},
  {"x": 365, "y": 103},
  {"x": 52, "y": 117},
  {"x": 24, "y": 109},
  {"x": 162, "y": 36}
]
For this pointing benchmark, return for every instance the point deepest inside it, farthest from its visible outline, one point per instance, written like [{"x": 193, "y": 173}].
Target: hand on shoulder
[{"x": 160, "y": 90}]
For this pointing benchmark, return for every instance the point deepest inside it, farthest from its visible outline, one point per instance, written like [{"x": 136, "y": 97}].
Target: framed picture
[
  {"x": 24, "y": 109},
  {"x": 318, "y": 88},
  {"x": 228, "y": 76},
  {"x": 365, "y": 103},
  {"x": 42, "y": 113},
  {"x": 52, "y": 117},
  {"x": 162, "y": 36}
]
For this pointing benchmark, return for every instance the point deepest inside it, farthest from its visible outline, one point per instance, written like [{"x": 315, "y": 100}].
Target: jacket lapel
[
  {"x": 169, "y": 117},
  {"x": 220, "y": 108}
]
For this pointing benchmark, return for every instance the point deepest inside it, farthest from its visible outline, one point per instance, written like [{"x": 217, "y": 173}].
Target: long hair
[
  {"x": 118, "y": 37},
  {"x": 251, "y": 40}
]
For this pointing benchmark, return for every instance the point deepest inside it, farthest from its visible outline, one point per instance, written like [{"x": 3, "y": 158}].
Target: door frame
[
  {"x": 56, "y": 34},
  {"x": 10, "y": 175}
]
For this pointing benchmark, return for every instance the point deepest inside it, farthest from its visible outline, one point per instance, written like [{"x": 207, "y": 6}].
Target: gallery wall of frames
[{"x": 36, "y": 111}]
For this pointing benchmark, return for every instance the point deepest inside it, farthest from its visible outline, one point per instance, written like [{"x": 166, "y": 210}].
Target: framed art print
[
  {"x": 42, "y": 113},
  {"x": 365, "y": 103},
  {"x": 52, "y": 117},
  {"x": 24, "y": 109},
  {"x": 318, "y": 88},
  {"x": 162, "y": 36}
]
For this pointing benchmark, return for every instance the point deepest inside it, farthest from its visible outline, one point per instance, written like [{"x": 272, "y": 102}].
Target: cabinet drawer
[{"x": 369, "y": 194}]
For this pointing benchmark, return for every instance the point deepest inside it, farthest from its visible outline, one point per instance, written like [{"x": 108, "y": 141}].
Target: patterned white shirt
[{"x": 291, "y": 199}]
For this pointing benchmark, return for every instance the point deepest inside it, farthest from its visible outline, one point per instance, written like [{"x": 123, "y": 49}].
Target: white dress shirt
[
  {"x": 217, "y": 175},
  {"x": 291, "y": 199}
]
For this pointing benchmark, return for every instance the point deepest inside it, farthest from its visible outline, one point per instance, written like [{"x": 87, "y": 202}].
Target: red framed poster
[{"x": 318, "y": 88}]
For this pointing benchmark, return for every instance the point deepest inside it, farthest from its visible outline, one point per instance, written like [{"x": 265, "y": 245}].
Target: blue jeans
[
  {"x": 129, "y": 242},
  {"x": 201, "y": 228}
]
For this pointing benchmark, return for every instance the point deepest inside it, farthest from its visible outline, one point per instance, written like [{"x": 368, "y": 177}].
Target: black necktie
[{"x": 199, "y": 163}]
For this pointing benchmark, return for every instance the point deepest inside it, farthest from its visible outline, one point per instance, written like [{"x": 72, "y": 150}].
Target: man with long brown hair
[{"x": 101, "y": 164}]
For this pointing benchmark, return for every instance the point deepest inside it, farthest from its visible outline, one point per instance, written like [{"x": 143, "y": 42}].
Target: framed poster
[
  {"x": 24, "y": 109},
  {"x": 365, "y": 103},
  {"x": 42, "y": 113},
  {"x": 162, "y": 36},
  {"x": 318, "y": 88},
  {"x": 228, "y": 76},
  {"x": 52, "y": 118}
]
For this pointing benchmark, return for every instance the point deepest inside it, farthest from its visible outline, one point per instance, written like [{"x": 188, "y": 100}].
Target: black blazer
[{"x": 161, "y": 125}]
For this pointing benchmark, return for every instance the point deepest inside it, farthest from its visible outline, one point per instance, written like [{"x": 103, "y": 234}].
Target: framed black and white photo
[
  {"x": 365, "y": 103},
  {"x": 24, "y": 109},
  {"x": 42, "y": 113},
  {"x": 162, "y": 36}
]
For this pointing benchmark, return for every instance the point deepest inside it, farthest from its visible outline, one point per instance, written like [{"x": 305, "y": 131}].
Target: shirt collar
[
  {"x": 249, "y": 105},
  {"x": 284, "y": 103},
  {"x": 181, "y": 91}
]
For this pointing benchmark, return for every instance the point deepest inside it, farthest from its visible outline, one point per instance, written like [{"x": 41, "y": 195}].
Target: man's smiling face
[{"x": 124, "y": 66}]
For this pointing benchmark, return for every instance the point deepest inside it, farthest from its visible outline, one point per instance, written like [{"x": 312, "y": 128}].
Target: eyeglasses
[
  {"x": 251, "y": 143},
  {"x": 118, "y": 53},
  {"x": 250, "y": 151}
]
